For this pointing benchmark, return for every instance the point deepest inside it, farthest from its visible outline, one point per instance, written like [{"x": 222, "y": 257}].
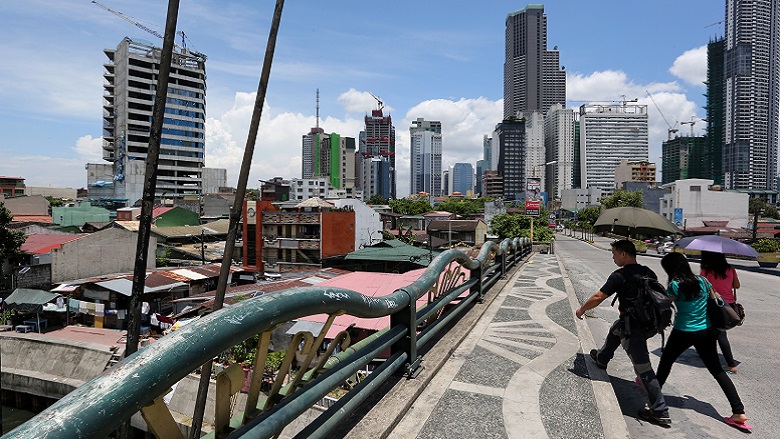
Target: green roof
[
  {"x": 28, "y": 301},
  {"x": 393, "y": 250}
]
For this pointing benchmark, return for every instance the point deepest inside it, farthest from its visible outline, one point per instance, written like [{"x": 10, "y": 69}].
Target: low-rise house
[{"x": 470, "y": 232}]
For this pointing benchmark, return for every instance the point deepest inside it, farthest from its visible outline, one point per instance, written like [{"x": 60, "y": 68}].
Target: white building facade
[
  {"x": 425, "y": 150},
  {"x": 609, "y": 134},
  {"x": 700, "y": 203},
  {"x": 559, "y": 147}
]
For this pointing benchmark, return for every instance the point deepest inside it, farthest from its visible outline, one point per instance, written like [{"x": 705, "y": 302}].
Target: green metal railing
[{"x": 138, "y": 382}]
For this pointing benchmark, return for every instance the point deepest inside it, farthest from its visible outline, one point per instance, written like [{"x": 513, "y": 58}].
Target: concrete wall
[
  {"x": 700, "y": 204},
  {"x": 104, "y": 252},
  {"x": 367, "y": 222},
  {"x": 51, "y": 191},
  {"x": 42, "y": 366}
]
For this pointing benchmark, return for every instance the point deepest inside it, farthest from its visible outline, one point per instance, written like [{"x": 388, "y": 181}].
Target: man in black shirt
[{"x": 625, "y": 332}]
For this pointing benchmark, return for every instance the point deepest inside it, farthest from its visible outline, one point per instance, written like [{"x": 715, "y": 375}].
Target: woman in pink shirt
[{"x": 724, "y": 279}]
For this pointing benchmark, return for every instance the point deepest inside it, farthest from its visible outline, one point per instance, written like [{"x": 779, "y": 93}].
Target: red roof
[
  {"x": 372, "y": 285},
  {"x": 37, "y": 244},
  {"x": 159, "y": 210}
]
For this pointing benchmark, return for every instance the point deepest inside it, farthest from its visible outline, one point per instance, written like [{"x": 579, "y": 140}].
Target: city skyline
[{"x": 52, "y": 123}]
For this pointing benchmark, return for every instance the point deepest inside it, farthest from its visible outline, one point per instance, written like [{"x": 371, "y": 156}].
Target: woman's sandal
[{"x": 742, "y": 426}]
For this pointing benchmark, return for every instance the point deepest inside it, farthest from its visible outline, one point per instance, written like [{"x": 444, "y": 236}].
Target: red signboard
[{"x": 532, "y": 208}]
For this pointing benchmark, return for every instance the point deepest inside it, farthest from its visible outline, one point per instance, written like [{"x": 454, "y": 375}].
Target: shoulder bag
[{"x": 722, "y": 315}]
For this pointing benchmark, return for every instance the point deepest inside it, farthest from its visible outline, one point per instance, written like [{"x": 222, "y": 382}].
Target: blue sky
[{"x": 441, "y": 60}]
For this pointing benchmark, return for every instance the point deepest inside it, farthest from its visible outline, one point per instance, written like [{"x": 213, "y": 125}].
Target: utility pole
[
  {"x": 238, "y": 206},
  {"x": 202, "y": 247}
]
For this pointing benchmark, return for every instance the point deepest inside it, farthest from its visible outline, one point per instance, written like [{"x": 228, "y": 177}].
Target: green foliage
[
  {"x": 377, "y": 199},
  {"x": 251, "y": 195},
  {"x": 588, "y": 216},
  {"x": 57, "y": 202},
  {"x": 462, "y": 206},
  {"x": 387, "y": 236},
  {"x": 622, "y": 198},
  {"x": 758, "y": 205},
  {"x": 10, "y": 240},
  {"x": 164, "y": 258},
  {"x": 405, "y": 206},
  {"x": 406, "y": 235},
  {"x": 274, "y": 360},
  {"x": 766, "y": 246},
  {"x": 510, "y": 225}
]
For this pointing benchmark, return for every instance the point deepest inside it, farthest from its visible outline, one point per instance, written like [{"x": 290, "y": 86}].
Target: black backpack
[{"x": 648, "y": 304}]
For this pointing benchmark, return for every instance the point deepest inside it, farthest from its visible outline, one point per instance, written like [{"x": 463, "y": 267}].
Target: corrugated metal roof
[
  {"x": 37, "y": 244},
  {"x": 131, "y": 226},
  {"x": 32, "y": 219}
]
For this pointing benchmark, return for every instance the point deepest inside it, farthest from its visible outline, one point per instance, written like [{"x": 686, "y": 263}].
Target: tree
[
  {"x": 377, "y": 199},
  {"x": 10, "y": 240},
  {"x": 758, "y": 205},
  {"x": 411, "y": 207},
  {"x": 623, "y": 198},
  {"x": 462, "y": 206},
  {"x": 510, "y": 225},
  {"x": 588, "y": 216}
]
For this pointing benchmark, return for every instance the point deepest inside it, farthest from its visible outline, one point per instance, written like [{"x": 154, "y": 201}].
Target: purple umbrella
[{"x": 716, "y": 244}]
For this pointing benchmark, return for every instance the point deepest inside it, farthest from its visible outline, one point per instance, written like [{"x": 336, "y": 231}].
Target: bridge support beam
[{"x": 408, "y": 318}]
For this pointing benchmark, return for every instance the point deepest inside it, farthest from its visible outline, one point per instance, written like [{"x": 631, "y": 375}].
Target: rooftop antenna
[{"x": 318, "y": 108}]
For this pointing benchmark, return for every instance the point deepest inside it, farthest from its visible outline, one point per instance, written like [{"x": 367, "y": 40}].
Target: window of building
[{"x": 695, "y": 188}]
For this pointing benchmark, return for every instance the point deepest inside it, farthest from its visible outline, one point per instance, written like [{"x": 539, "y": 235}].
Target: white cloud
[
  {"x": 670, "y": 97},
  {"x": 355, "y": 101},
  {"x": 89, "y": 149},
  {"x": 278, "y": 147},
  {"x": 48, "y": 171},
  {"x": 691, "y": 66}
]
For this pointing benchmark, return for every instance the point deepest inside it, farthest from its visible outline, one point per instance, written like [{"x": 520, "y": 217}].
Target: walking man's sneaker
[
  {"x": 594, "y": 354},
  {"x": 661, "y": 419}
]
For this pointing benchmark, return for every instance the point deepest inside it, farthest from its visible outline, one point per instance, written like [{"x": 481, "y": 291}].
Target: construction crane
[
  {"x": 380, "y": 105},
  {"x": 183, "y": 48},
  {"x": 671, "y": 129},
  {"x": 692, "y": 122},
  {"x": 713, "y": 24}
]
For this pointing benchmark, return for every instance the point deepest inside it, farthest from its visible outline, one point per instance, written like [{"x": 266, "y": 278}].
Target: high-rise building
[
  {"x": 559, "y": 148},
  {"x": 685, "y": 157},
  {"x": 480, "y": 168},
  {"x": 716, "y": 116},
  {"x": 510, "y": 135},
  {"x": 375, "y": 173},
  {"x": 380, "y": 143},
  {"x": 307, "y": 151},
  {"x": 752, "y": 94},
  {"x": 462, "y": 178},
  {"x": 487, "y": 153},
  {"x": 533, "y": 79},
  {"x": 534, "y": 146},
  {"x": 609, "y": 134},
  {"x": 129, "y": 94},
  {"x": 334, "y": 158},
  {"x": 425, "y": 156}
]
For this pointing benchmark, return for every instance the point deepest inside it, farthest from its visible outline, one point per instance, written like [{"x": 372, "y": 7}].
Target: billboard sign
[{"x": 533, "y": 196}]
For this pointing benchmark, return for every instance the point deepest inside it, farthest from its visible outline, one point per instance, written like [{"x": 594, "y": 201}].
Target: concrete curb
[{"x": 612, "y": 421}]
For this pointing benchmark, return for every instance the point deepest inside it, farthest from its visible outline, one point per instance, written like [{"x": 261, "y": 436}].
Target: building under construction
[
  {"x": 130, "y": 86},
  {"x": 379, "y": 146}
]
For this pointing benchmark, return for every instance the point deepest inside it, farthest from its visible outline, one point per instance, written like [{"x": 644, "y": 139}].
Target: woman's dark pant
[
  {"x": 704, "y": 342},
  {"x": 725, "y": 348}
]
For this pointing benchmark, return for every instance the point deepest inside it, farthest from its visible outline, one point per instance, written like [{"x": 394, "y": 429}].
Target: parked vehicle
[{"x": 665, "y": 247}]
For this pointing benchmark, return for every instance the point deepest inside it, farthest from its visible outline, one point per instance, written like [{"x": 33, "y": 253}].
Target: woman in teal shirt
[{"x": 692, "y": 328}]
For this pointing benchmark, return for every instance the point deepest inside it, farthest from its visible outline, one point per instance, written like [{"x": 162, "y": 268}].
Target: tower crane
[
  {"x": 692, "y": 122},
  {"x": 671, "y": 129},
  {"x": 380, "y": 105},
  {"x": 182, "y": 48}
]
